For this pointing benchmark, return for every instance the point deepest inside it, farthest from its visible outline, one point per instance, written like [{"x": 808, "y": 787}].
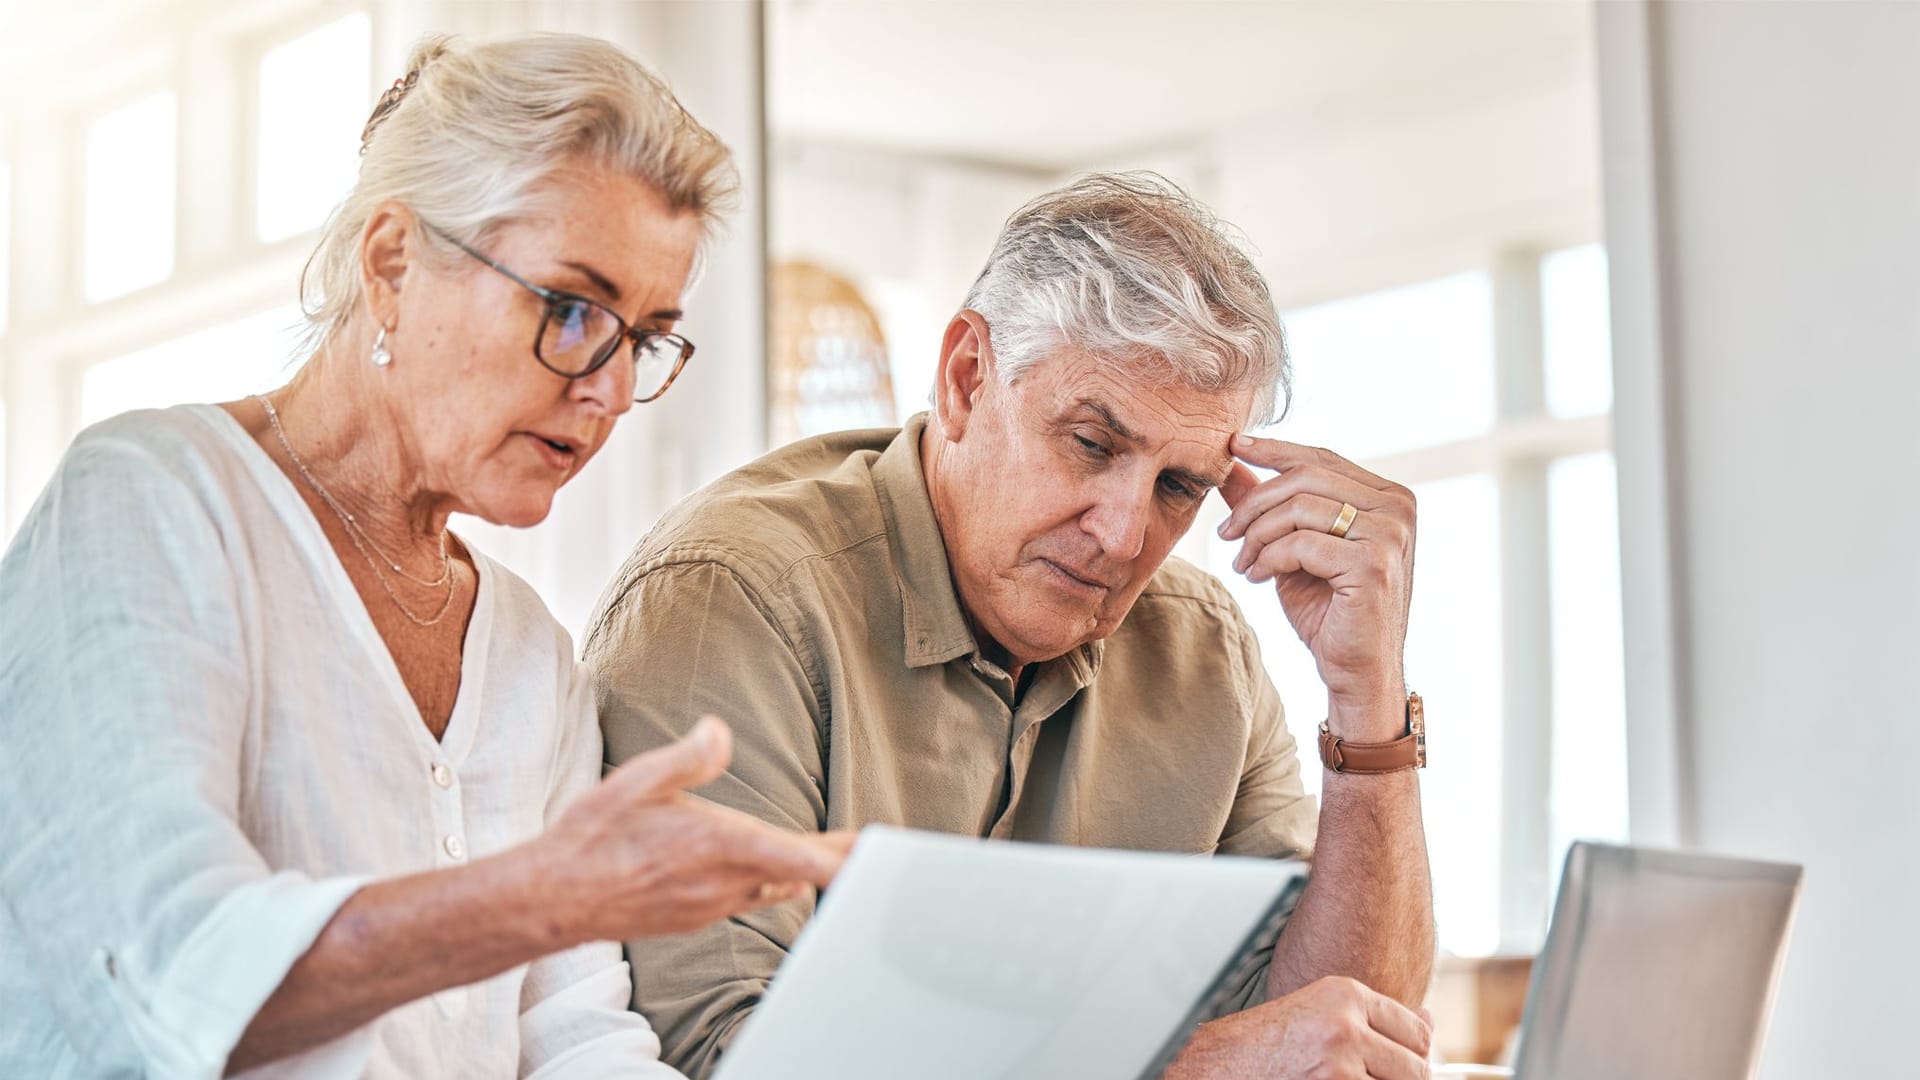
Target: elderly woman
[{"x": 288, "y": 773}]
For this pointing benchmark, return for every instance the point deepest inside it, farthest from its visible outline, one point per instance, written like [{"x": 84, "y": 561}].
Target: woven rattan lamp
[{"x": 828, "y": 357}]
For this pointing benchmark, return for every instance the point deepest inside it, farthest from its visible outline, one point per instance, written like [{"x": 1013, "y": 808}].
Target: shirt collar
[{"x": 936, "y": 627}]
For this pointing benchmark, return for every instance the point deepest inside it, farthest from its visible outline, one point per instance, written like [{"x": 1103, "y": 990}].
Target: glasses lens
[
  {"x": 655, "y": 359},
  {"x": 577, "y": 333}
]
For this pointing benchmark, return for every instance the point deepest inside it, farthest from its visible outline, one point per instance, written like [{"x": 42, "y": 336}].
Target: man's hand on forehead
[{"x": 1337, "y": 542}]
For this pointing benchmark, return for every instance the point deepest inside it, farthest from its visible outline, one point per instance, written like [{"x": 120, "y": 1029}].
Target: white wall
[
  {"x": 911, "y": 231},
  {"x": 1770, "y": 196},
  {"x": 1414, "y": 186}
]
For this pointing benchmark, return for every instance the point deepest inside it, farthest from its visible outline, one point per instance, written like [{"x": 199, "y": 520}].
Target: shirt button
[
  {"x": 442, "y": 775},
  {"x": 455, "y": 847}
]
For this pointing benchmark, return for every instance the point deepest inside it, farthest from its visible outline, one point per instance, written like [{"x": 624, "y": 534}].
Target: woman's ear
[
  {"x": 966, "y": 368},
  {"x": 387, "y": 250}
]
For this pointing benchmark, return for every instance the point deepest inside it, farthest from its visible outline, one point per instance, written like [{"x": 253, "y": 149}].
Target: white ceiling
[{"x": 1054, "y": 84}]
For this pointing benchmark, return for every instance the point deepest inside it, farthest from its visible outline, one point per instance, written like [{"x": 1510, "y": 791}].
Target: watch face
[{"x": 1417, "y": 727}]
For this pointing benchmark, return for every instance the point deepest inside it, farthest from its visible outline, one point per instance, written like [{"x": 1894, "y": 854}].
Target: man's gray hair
[{"x": 1132, "y": 269}]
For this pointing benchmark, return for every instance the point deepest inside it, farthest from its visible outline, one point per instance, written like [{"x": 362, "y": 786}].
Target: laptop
[{"x": 1658, "y": 966}]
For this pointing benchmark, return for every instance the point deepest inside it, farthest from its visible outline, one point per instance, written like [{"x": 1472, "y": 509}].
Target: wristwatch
[{"x": 1409, "y": 751}]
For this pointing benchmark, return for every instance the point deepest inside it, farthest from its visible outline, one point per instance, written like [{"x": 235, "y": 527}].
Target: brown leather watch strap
[{"x": 1409, "y": 751}]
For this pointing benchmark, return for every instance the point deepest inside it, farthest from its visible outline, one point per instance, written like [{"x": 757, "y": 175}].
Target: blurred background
[{"x": 1626, "y": 292}]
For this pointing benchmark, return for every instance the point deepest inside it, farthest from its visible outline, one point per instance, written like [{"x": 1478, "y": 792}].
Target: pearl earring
[{"x": 381, "y": 357}]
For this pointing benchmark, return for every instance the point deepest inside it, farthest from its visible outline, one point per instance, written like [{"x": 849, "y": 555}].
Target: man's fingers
[
  {"x": 1239, "y": 481},
  {"x": 1281, "y": 455},
  {"x": 1300, "y": 513},
  {"x": 1389, "y": 1060},
  {"x": 1399, "y": 1023},
  {"x": 697, "y": 758},
  {"x": 1301, "y": 480},
  {"x": 1314, "y": 553}
]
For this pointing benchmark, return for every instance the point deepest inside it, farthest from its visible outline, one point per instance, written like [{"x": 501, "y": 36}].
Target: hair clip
[{"x": 388, "y": 102}]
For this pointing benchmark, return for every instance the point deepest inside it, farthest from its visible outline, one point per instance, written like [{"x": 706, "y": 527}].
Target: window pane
[
  {"x": 1589, "y": 792},
  {"x": 217, "y": 364},
  {"x": 1453, "y": 657},
  {"x": 6, "y": 242},
  {"x": 1394, "y": 370},
  {"x": 1579, "y": 342},
  {"x": 1289, "y": 663},
  {"x": 313, "y": 103},
  {"x": 129, "y": 199},
  {"x": 912, "y": 324}
]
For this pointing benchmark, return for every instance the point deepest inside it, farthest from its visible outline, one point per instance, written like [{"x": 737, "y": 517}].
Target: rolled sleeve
[
  {"x": 143, "y": 917},
  {"x": 187, "y": 1017},
  {"x": 684, "y": 640}
]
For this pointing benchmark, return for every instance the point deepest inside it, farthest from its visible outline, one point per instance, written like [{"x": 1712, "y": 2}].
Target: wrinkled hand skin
[
  {"x": 1332, "y": 1029},
  {"x": 639, "y": 857},
  {"x": 1347, "y": 597}
]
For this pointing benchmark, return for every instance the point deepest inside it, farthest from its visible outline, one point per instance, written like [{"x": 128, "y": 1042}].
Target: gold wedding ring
[
  {"x": 763, "y": 894},
  {"x": 1345, "y": 521}
]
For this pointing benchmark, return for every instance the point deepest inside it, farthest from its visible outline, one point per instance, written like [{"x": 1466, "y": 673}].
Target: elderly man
[{"x": 971, "y": 624}]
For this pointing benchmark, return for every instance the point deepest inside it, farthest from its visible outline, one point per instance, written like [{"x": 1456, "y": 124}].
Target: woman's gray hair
[
  {"x": 1129, "y": 267},
  {"x": 469, "y": 136}
]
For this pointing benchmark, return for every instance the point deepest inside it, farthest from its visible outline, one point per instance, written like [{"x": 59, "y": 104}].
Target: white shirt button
[
  {"x": 455, "y": 847},
  {"x": 442, "y": 775}
]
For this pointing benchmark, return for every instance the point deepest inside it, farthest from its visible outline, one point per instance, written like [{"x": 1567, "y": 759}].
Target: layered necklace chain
[{"x": 362, "y": 541}]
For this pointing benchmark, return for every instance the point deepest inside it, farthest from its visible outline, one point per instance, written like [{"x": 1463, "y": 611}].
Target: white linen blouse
[{"x": 205, "y": 749}]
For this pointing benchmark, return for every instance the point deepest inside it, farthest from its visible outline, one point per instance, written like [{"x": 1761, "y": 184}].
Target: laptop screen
[{"x": 1658, "y": 966}]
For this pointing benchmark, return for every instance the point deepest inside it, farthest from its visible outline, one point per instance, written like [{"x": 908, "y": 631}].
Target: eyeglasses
[{"x": 578, "y": 336}]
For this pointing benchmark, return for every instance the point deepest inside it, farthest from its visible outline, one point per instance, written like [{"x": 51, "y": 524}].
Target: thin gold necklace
[{"x": 354, "y": 533}]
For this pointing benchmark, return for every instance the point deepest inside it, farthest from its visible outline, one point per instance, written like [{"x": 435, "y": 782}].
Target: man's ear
[
  {"x": 966, "y": 369},
  {"x": 387, "y": 250}
]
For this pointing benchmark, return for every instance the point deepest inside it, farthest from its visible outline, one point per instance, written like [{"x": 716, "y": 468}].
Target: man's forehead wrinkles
[
  {"x": 1209, "y": 463},
  {"x": 1156, "y": 418},
  {"x": 1108, "y": 417}
]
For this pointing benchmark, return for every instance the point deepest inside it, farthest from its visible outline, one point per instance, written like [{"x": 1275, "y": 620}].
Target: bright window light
[
  {"x": 1289, "y": 664},
  {"x": 313, "y": 102},
  {"x": 912, "y": 324},
  {"x": 128, "y": 192},
  {"x": 220, "y": 363},
  {"x": 6, "y": 241},
  {"x": 1589, "y": 784},
  {"x": 1579, "y": 343},
  {"x": 1453, "y": 657},
  {"x": 1394, "y": 370}
]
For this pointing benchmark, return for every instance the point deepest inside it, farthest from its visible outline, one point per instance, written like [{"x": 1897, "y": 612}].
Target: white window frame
[
  {"x": 1654, "y": 615},
  {"x": 221, "y": 270},
  {"x": 1517, "y": 451}
]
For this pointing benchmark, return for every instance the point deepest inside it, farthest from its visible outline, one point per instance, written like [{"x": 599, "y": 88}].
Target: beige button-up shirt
[{"x": 806, "y": 599}]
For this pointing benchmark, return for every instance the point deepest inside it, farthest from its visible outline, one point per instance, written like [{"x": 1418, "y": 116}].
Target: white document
[{"x": 937, "y": 957}]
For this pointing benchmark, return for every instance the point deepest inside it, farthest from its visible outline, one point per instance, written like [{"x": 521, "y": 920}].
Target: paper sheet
[{"x": 948, "y": 958}]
